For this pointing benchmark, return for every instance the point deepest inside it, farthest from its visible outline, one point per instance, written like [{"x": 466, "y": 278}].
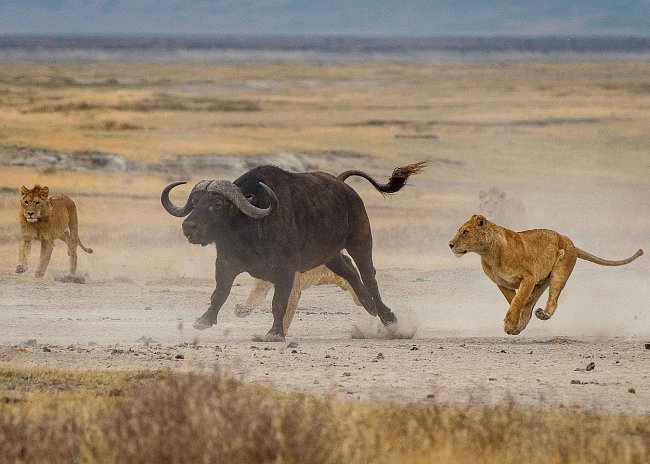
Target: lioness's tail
[
  {"x": 73, "y": 225},
  {"x": 605, "y": 262},
  {"x": 397, "y": 179},
  {"x": 81, "y": 245}
]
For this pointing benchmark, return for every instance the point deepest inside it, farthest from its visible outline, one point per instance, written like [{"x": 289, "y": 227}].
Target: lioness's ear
[
  {"x": 44, "y": 192},
  {"x": 24, "y": 190},
  {"x": 480, "y": 220}
]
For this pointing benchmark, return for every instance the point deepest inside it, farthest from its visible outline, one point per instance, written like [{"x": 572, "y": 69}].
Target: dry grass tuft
[{"x": 192, "y": 418}]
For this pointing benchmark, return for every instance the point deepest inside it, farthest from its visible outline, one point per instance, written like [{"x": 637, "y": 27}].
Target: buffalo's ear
[
  {"x": 44, "y": 192},
  {"x": 480, "y": 220},
  {"x": 482, "y": 194},
  {"x": 24, "y": 190}
]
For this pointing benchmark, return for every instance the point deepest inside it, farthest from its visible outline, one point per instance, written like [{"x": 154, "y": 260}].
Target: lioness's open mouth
[{"x": 32, "y": 220}]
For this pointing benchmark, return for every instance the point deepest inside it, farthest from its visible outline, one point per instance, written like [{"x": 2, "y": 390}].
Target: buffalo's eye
[{"x": 216, "y": 204}]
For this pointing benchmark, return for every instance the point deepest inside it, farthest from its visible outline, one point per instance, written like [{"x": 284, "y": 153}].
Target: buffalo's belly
[
  {"x": 321, "y": 239},
  {"x": 308, "y": 265}
]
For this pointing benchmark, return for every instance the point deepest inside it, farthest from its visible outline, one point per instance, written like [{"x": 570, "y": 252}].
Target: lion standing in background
[
  {"x": 503, "y": 209},
  {"x": 47, "y": 219}
]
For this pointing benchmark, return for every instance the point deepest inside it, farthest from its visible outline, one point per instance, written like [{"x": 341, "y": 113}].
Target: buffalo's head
[{"x": 211, "y": 206}]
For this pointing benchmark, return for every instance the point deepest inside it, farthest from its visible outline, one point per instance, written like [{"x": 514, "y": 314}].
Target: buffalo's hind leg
[
  {"x": 225, "y": 276},
  {"x": 342, "y": 266},
  {"x": 283, "y": 287},
  {"x": 362, "y": 255}
]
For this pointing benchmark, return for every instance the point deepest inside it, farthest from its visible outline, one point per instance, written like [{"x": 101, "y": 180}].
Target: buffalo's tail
[{"x": 397, "y": 179}]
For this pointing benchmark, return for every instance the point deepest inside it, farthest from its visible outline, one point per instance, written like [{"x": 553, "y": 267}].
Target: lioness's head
[
  {"x": 34, "y": 203},
  {"x": 474, "y": 236}
]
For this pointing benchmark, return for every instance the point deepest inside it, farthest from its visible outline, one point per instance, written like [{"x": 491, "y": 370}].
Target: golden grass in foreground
[{"x": 164, "y": 417}]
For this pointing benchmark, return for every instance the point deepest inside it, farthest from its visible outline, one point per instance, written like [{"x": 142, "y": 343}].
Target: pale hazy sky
[{"x": 344, "y": 17}]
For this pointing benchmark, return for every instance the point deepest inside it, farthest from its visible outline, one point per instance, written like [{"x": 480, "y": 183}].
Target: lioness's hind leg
[
  {"x": 72, "y": 251},
  {"x": 558, "y": 279},
  {"x": 255, "y": 297}
]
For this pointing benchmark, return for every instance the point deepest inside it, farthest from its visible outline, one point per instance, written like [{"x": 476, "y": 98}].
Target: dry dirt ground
[
  {"x": 569, "y": 140},
  {"x": 457, "y": 353}
]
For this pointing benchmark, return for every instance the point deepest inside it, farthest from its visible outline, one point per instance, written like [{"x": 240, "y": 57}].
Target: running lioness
[{"x": 523, "y": 265}]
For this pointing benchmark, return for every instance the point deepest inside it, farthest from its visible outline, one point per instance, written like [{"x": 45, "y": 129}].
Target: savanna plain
[{"x": 107, "y": 368}]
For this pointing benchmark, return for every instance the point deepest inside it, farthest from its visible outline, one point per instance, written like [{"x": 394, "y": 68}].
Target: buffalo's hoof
[
  {"x": 202, "y": 324},
  {"x": 21, "y": 269},
  {"x": 541, "y": 314},
  {"x": 242, "y": 311},
  {"x": 388, "y": 318},
  {"x": 273, "y": 337}
]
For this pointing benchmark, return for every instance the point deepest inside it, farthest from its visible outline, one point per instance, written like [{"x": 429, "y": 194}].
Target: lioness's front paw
[
  {"x": 541, "y": 314},
  {"x": 21, "y": 269},
  {"x": 242, "y": 311},
  {"x": 510, "y": 327}
]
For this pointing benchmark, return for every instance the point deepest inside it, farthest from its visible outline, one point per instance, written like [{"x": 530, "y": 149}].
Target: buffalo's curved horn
[
  {"x": 170, "y": 207},
  {"x": 185, "y": 210},
  {"x": 230, "y": 191}
]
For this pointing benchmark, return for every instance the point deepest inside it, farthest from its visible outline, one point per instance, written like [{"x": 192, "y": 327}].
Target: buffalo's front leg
[
  {"x": 283, "y": 286},
  {"x": 224, "y": 276}
]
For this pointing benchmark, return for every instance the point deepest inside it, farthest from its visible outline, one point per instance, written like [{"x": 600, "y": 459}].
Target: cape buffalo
[{"x": 272, "y": 223}]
